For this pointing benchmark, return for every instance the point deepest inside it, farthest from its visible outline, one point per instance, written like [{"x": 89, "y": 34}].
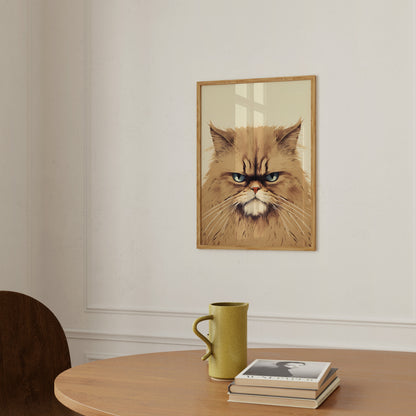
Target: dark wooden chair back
[{"x": 33, "y": 351}]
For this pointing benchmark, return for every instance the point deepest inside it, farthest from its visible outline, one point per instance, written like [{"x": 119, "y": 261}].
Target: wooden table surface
[{"x": 376, "y": 383}]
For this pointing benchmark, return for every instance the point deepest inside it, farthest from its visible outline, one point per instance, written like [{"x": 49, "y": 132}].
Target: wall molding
[
  {"x": 265, "y": 331},
  {"x": 164, "y": 313},
  {"x": 94, "y": 356},
  {"x": 334, "y": 321},
  {"x": 194, "y": 343},
  {"x": 82, "y": 334}
]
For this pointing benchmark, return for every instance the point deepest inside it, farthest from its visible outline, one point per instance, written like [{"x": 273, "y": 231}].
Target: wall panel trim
[
  {"x": 273, "y": 318},
  {"x": 383, "y": 336}
]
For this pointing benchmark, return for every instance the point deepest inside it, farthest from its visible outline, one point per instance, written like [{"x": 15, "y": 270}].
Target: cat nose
[{"x": 255, "y": 186}]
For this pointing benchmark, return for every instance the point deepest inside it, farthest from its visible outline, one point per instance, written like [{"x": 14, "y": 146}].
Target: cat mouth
[{"x": 254, "y": 208}]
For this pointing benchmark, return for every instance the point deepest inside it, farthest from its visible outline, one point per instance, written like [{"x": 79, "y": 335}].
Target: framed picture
[{"x": 256, "y": 164}]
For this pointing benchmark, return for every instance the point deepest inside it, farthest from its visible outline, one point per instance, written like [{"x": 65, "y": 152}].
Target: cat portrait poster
[{"x": 256, "y": 164}]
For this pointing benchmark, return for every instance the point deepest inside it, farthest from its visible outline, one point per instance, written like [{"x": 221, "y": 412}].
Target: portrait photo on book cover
[
  {"x": 286, "y": 369},
  {"x": 256, "y": 164}
]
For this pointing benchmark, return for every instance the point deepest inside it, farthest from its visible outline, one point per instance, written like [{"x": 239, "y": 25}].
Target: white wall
[
  {"x": 115, "y": 163},
  {"x": 15, "y": 121}
]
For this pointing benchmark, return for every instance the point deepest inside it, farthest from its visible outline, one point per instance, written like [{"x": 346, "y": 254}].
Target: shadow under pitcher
[{"x": 227, "y": 343}]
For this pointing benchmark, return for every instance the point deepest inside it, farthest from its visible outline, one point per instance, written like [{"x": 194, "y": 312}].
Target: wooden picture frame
[{"x": 256, "y": 173}]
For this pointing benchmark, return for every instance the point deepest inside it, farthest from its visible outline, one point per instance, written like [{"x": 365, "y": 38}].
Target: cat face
[{"x": 257, "y": 168}]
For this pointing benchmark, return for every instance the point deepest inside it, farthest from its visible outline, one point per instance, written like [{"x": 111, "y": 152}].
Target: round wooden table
[{"x": 376, "y": 383}]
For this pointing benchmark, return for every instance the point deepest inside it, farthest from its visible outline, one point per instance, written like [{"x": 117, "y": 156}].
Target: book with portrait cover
[
  {"x": 284, "y": 373},
  {"x": 284, "y": 391},
  {"x": 284, "y": 401}
]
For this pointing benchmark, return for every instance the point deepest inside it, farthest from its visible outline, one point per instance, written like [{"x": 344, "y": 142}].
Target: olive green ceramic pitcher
[{"x": 227, "y": 343}]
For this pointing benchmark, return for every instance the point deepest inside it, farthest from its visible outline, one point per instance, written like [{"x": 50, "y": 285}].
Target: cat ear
[
  {"x": 287, "y": 139},
  {"x": 223, "y": 139}
]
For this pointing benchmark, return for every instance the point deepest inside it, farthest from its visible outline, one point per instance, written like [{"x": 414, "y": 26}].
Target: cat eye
[
  {"x": 238, "y": 177},
  {"x": 272, "y": 177}
]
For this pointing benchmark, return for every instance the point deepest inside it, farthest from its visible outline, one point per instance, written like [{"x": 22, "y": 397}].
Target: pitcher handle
[{"x": 206, "y": 340}]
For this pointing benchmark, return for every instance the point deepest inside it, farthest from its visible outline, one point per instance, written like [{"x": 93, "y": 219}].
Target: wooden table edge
[{"x": 76, "y": 406}]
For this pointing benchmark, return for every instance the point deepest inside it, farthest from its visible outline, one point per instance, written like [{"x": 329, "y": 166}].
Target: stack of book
[{"x": 284, "y": 383}]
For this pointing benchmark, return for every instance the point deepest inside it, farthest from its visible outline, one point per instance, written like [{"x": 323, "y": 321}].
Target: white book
[
  {"x": 284, "y": 373},
  {"x": 284, "y": 401}
]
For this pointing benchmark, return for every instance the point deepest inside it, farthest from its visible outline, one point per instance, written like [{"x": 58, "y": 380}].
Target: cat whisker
[
  {"x": 290, "y": 202},
  {"x": 224, "y": 202},
  {"x": 306, "y": 211},
  {"x": 217, "y": 207},
  {"x": 294, "y": 219},
  {"x": 284, "y": 219},
  {"x": 222, "y": 205},
  {"x": 303, "y": 211},
  {"x": 223, "y": 224},
  {"x": 282, "y": 215},
  {"x": 217, "y": 226},
  {"x": 284, "y": 222},
  {"x": 296, "y": 214},
  {"x": 290, "y": 217},
  {"x": 298, "y": 211},
  {"x": 219, "y": 217}
]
